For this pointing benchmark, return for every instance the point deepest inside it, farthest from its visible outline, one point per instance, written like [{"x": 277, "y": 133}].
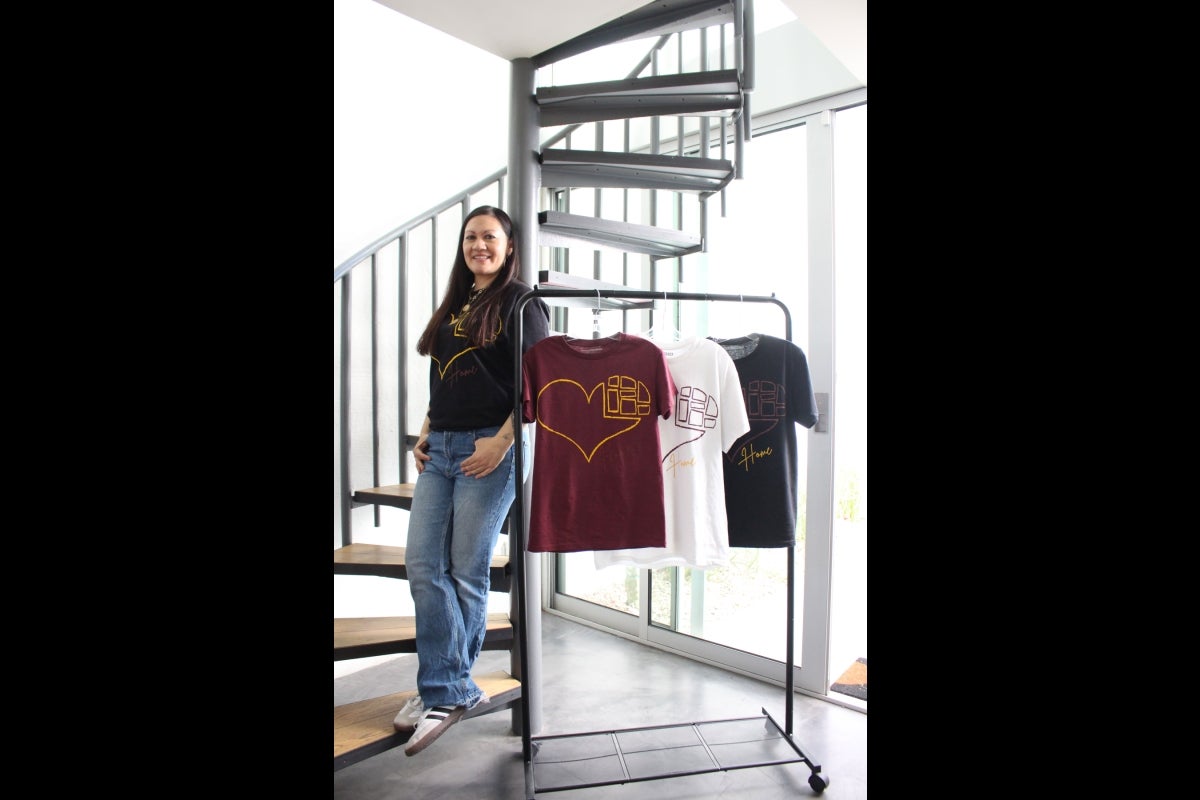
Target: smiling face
[{"x": 485, "y": 247}]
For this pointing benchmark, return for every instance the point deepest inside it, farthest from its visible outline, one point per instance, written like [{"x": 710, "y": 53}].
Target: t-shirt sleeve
[
  {"x": 528, "y": 365},
  {"x": 802, "y": 401},
  {"x": 535, "y": 323}
]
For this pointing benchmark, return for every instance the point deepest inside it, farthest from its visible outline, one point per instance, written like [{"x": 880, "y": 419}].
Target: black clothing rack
[{"x": 626, "y": 755}]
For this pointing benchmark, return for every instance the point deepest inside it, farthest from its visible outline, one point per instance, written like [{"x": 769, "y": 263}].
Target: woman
[{"x": 465, "y": 467}]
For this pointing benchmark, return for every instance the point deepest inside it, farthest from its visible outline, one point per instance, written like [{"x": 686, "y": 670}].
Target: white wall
[
  {"x": 792, "y": 66},
  {"x": 403, "y": 141}
]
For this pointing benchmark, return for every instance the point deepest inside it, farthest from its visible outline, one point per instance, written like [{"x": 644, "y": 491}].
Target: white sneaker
[
  {"x": 433, "y": 723},
  {"x": 408, "y": 717}
]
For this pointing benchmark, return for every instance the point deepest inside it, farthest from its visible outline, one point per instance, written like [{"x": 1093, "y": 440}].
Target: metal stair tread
[
  {"x": 559, "y": 229},
  {"x": 665, "y": 16},
  {"x": 718, "y": 81},
  {"x": 708, "y": 93},
  {"x": 364, "y": 728},
  {"x": 600, "y": 168},
  {"x": 363, "y": 637},
  {"x": 551, "y": 279}
]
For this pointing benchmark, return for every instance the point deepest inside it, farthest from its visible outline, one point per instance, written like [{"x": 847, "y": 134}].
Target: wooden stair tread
[
  {"x": 364, "y": 728},
  {"x": 362, "y": 637},
  {"x": 397, "y": 495},
  {"x": 387, "y": 561},
  {"x": 385, "y": 555}
]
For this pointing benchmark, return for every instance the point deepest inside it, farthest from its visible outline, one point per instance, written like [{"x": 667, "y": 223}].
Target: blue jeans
[{"x": 452, "y": 530}]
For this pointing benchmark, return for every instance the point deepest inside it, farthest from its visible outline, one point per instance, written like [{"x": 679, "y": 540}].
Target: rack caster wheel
[{"x": 817, "y": 783}]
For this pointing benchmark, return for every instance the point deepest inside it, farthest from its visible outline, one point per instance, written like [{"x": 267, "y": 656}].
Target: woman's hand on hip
[
  {"x": 420, "y": 453},
  {"x": 488, "y": 454}
]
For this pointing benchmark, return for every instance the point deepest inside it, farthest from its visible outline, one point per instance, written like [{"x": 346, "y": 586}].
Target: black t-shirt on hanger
[{"x": 761, "y": 469}]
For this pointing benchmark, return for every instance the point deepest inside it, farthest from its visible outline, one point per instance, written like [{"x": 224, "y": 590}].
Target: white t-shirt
[{"x": 710, "y": 415}]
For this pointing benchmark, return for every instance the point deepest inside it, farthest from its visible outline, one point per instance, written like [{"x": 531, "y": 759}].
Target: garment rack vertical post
[{"x": 719, "y": 749}]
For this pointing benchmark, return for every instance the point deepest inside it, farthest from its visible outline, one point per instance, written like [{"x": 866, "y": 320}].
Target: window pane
[
  {"x": 742, "y": 605},
  {"x": 613, "y": 587}
]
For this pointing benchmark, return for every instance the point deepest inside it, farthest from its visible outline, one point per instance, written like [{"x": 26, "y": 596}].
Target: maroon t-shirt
[{"x": 597, "y": 477}]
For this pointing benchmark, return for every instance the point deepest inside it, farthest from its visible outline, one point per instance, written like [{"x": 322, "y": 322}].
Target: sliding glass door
[{"x": 795, "y": 229}]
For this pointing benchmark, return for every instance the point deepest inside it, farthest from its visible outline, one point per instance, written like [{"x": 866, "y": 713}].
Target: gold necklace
[{"x": 474, "y": 293}]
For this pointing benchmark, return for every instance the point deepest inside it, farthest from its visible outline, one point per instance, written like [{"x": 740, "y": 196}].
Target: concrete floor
[{"x": 594, "y": 681}]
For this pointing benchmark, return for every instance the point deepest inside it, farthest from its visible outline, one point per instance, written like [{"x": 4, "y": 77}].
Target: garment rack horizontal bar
[{"x": 663, "y": 726}]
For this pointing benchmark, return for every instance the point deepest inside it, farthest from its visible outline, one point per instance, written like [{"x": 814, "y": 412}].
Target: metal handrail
[{"x": 415, "y": 222}]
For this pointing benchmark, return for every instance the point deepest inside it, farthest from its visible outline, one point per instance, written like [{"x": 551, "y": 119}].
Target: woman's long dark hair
[{"x": 484, "y": 319}]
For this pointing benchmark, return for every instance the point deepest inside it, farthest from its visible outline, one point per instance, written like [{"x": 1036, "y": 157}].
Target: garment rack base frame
[{"x": 630, "y": 755}]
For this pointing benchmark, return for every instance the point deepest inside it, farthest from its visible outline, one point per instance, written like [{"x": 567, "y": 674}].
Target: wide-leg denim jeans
[{"x": 452, "y": 530}]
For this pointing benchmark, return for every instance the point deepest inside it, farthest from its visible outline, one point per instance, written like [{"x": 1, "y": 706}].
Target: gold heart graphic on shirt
[
  {"x": 460, "y": 333},
  {"x": 619, "y": 408},
  {"x": 442, "y": 369}
]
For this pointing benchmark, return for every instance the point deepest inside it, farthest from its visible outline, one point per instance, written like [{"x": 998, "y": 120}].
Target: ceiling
[{"x": 524, "y": 28}]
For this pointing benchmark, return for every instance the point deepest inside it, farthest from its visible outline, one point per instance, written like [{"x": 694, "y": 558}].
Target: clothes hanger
[
  {"x": 596, "y": 317},
  {"x": 664, "y": 334}
]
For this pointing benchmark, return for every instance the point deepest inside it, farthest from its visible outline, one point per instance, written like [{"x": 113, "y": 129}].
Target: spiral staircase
[{"x": 655, "y": 173}]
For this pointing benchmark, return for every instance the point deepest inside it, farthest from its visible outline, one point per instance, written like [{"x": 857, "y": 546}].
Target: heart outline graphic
[
  {"x": 760, "y": 423},
  {"x": 459, "y": 333},
  {"x": 642, "y": 392},
  {"x": 692, "y": 402}
]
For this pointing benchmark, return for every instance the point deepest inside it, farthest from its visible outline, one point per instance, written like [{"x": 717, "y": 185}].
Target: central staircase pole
[{"x": 524, "y": 183}]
